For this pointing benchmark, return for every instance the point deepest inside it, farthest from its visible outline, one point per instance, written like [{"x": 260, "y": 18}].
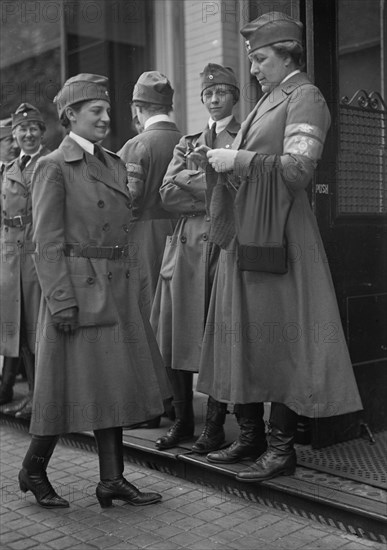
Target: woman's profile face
[
  {"x": 269, "y": 68},
  {"x": 92, "y": 121}
]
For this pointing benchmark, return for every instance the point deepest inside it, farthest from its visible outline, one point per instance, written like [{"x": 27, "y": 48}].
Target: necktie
[
  {"x": 210, "y": 136},
  {"x": 23, "y": 161},
  {"x": 99, "y": 154}
]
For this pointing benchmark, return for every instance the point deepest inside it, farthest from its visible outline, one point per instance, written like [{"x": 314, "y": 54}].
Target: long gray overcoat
[
  {"x": 109, "y": 372},
  {"x": 187, "y": 271},
  {"x": 18, "y": 277},
  {"x": 147, "y": 156},
  {"x": 272, "y": 337}
]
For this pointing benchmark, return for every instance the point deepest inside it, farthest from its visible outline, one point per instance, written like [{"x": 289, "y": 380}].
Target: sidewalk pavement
[{"x": 190, "y": 516}]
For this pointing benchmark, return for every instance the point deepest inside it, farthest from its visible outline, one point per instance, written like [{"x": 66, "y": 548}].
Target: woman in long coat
[
  {"x": 182, "y": 296},
  {"x": 274, "y": 331},
  {"x": 19, "y": 286},
  {"x": 98, "y": 366}
]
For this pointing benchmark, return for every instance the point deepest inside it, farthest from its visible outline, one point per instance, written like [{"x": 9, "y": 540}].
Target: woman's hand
[{"x": 222, "y": 160}]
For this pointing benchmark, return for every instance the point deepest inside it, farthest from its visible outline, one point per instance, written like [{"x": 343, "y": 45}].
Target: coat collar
[
  {"x": 162, "y": 125},
  {"x": 15, "y": 174},
  {"x": 269, "y": 102},
  {"x": 113, "y": 175}
]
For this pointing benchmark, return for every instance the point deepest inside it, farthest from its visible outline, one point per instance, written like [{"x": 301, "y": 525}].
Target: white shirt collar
[
  {"x": 220, "y": 124},
  {"x": 23, "y": 153},
  {"x": 156, "y": 118},
  {"x": 290, "y": 75},
  {"x": 82, "y": 142}
]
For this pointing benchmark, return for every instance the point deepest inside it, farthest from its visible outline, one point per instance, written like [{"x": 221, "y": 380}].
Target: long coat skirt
[
  {"x": 108, "y": 372},
  {"x": 19, "y": 285},
  {"x": 182, "y": 296},
  {"x": 147, "y": 156},
  {"x": 272, "y": 337}
]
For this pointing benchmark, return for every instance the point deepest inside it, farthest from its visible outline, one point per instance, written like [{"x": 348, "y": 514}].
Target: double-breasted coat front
[
  {"x": 278, "y": 337},
  {"x": 147, "y": 156},
  {"x": 187, "y": 271},
  {"x": 109, "y": 371},
  {"x": 19, "y": 285}
]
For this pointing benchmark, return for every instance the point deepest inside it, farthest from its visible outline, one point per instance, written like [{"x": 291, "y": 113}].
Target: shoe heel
[{"x": 104, "y": 501}]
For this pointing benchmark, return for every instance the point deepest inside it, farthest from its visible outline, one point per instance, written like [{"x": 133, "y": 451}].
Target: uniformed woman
[
  {"x": 98, "y": 366},
  {"x": 274, "y": 331}
]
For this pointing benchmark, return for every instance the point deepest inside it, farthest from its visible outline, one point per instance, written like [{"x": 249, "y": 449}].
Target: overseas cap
[
  {"x": 82, "y": 87},
  {"x": 270, "y": 28},
  {"x": 153, "y": 87},
  {"x": 217, "y": 74},
  {"x": 26, "y": 113}
]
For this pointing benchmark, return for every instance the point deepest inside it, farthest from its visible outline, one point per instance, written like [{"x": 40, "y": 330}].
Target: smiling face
[
  {"x": 219, "y": 101},
  {"x": 269, "y": 68},
  {"x": 28, "y": 136},
  {"x": 91, "y": 121}
]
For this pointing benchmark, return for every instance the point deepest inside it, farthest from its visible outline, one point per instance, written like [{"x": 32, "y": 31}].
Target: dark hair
[
  {"x": 76, "y": 107},
  {"x": 153, "y": 108},
  {"x": 292, "y": 49}
]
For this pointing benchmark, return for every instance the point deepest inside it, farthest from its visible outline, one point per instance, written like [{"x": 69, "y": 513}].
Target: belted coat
[
  {"x": 269, "y": 336},
  {"x": 147, "y": 156},
  {"x": 19, "y": 285},
  {"x": 188, "y": 267},
  {"x": 108, "y": 372}
]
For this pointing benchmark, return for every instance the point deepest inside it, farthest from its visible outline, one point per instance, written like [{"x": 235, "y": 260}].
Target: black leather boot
[
  {"x": 184, "y": 425},
  {"x": 212, "y": 436},
  {"x": 33, "y": 477},
  {"x": 280, "y": 458},
  {"x": 113, "y": 486},
  {"x": 251, "y": 442},
  {"x": 8, "y": 378}
]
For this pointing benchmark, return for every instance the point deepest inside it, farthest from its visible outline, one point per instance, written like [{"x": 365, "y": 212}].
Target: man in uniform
[
  {"x": 180, "y": 307},
  {"x": 19, "y": 286}
]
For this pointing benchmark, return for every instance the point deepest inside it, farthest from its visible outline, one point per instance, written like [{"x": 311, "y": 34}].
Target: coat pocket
[
  {"x": 169, "y": 258},
  {"x": 95, "y": 301}
]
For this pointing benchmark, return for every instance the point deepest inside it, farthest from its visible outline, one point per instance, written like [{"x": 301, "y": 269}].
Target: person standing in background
[
  {"x": 19, "y": 287},
  {"x": 182, "y": 296},
  {"x": 147, "y": 156}
]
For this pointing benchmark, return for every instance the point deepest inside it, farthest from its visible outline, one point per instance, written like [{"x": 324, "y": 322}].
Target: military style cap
[
  {"x": 82, "y": 87},
  {"x": 5, "y": 128},
  {"x": 270, "y": 28},
  {"x": 217, "y": 74},
  {"x": 153, "y": 87},
  {"x": 26, "y": 113}
]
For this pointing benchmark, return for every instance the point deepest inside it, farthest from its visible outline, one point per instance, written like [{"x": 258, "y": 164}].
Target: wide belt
[
  {"x": 17, "y": 221},
  {"x": 106, "y": 252},
  {"x": 154, "y": 213},
  {"x": 193, "y": 214}
]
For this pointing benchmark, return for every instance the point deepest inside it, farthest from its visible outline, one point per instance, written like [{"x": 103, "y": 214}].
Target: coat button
[
  {"x": 25, "y": 195},
  {"x": 110, "y": 275},
  {"x": 127, "y": 274},
  {"x": 90, "y": 280},
  {"x": 208, "y": 219},
  {"x": 101, "y": 204},
  {"x": 19, "y": 244},
  {"x": 125, "y": 228},
  {"x": 106, "y": 227},
  {"x": 6, "y": 229},
  {"x": 205, "y": 237},
  {"x": 128, "y": 205},
  {"x": 183, "y": 239}
]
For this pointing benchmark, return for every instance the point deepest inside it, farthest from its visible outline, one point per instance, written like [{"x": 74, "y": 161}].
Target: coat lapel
[{"x": 113, "y": 175}]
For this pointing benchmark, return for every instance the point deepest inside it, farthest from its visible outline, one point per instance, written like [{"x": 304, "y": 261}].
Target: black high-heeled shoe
[
  {"x": 121, "y": 489},
  {"x": 42, "y": 489}
]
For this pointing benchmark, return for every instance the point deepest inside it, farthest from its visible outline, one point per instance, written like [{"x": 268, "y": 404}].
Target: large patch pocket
[
  {"x": 169, "y": 257},
  {"x": 95, "y": 300}
]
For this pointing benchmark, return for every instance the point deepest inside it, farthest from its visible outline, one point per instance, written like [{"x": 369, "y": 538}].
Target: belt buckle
[{"x": 20, "y": 224}]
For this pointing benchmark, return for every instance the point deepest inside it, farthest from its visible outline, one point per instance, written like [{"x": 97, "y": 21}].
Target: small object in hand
[{"x": 189, "y": 150}]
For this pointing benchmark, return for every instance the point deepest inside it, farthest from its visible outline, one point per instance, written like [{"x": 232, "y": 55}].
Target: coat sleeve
[
  {"x": 137, "y": 160},
  {"x": 307, "y": 124},
  {"x": 48, "y": 202},
  {"x": 184, "y": 184}
]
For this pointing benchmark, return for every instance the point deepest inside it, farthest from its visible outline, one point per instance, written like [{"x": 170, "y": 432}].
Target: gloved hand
[
  {"x": 199, "y": 156},
  {"x": 66, "y": 320}
]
